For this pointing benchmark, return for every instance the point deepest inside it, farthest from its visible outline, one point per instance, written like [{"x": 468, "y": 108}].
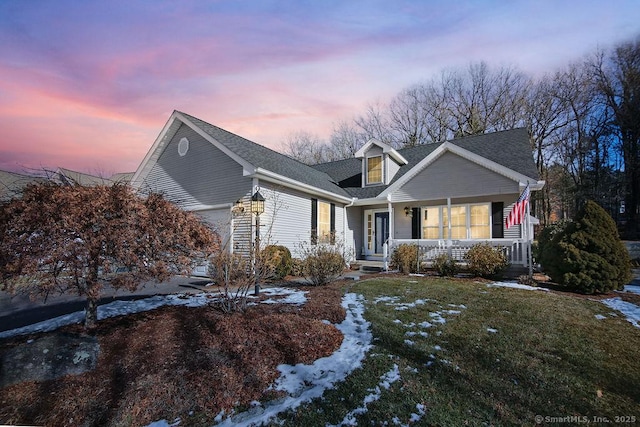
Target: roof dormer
[{"x": 380, "y": 163}]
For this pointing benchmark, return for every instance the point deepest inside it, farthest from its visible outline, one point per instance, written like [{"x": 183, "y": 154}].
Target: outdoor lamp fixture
[
  {"x": 238, "y": 207},
  {"x": 408, "y": 211},
  {"x": 257, "y": 203},
  {"x": 257, "y": 208}
]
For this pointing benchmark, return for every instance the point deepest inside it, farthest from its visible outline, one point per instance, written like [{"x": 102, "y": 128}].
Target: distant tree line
[{"x": 584, "y": 123}]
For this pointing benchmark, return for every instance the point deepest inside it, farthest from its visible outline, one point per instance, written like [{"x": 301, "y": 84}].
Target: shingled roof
[
  {"x": 509, "y": 148},
  {"x": 262, "y": 157}
]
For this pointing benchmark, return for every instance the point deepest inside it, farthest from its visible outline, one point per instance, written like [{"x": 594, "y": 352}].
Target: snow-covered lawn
[{"x": 304, "y": 383}]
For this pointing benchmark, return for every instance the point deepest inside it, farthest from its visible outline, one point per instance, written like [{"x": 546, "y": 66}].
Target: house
[
  {"x": 11, "y": 183},
  {"x": 444, "y": 196},
  {"x": 68, "y": 176}
]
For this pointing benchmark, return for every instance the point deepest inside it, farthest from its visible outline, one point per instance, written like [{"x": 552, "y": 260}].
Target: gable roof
[
  {"x": 256, "y": 159},
  {"x": 507, "y": 152},
  {"x": 387, "y": 149},
  {"x": 509, "y": 149}
]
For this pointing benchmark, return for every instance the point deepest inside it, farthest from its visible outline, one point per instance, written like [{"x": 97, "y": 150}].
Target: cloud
[{"x": 98, "y": 80}]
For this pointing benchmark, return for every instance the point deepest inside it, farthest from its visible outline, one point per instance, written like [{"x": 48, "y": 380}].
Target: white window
[
  {"x": 324, "y": 222},
  {"x": 431, "y": 223},
  {"x": 467, "y": 221},
  {"x": 374, "y": 170},
  {"x": 458, "y": 222},
  {"x": 479, "y": 223}
]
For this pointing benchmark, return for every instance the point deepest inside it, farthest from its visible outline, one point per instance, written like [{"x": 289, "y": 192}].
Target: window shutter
[
  {"x": 332, "y": 237},
  {"x": 497, "y": 220},
  {"x": 415, "y": 223},
  {"x": 314, "y": 221}
]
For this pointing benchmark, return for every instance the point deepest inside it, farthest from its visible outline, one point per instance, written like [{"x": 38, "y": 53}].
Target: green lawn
[{"x": 501, "y": 357}]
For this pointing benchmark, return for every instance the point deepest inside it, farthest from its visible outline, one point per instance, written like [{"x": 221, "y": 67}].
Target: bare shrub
[
  {"x": 486, "y": 261},
  {"x": 322, "y": 262},
  {"x": 233, "y": 274},
  {"x": 445, "y": 265},
  {"x": 405, "y": 258}
]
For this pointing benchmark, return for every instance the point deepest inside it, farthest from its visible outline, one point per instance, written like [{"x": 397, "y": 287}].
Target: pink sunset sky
[{"x": 88, "y": 85}]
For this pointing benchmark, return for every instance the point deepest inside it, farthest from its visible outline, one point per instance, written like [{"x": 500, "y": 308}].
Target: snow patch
[
  {"x": 374, "y": 394},
  {"x": 632, "y": 288},
  {"x": 630, "y": 311},
  {"x": 306, "y": 382},
  {"x": 121, "y": 308},
  {"x": 515, "y": 286}
]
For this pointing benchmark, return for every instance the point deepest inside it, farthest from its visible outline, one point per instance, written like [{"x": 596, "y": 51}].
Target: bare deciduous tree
[{"x": 618, "y": 80}]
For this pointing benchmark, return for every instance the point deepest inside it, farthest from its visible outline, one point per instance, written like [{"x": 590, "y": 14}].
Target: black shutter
[
  {"x": 497, "y": 219},
  {"x": 314, "y": 221},
  {"x": 332, "y": 236},
  {"x": 415, "y": 223}
]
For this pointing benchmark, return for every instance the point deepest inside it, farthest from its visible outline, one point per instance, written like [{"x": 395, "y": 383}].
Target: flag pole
[{"x": 529, "y": 239}]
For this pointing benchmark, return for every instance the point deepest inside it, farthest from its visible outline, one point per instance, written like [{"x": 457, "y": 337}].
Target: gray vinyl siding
[
  {"x": 205, "y": 176},
  {"x": 391, "y": 169},
  {"x": 287, "y": 217},
  {"x": 220, "y": 220},
  {"x": 453, "y": 176},
  {"x": 355, "y": 229}
]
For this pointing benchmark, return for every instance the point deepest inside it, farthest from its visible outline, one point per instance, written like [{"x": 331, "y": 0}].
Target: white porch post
[
  {"x": 449, "y": 240},
  {"x": 387, "y": 244},
  {"x": 391, "y": 218},
  {"x": 529, "y": 239}
]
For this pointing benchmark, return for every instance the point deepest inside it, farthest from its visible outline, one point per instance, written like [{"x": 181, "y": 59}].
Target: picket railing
[{"x": 429, "y": 249}]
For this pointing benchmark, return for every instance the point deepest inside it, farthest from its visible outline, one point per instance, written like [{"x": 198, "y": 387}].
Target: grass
[
  {"x": 508, "y": 356},
  {"x": 487, "y": 356}
]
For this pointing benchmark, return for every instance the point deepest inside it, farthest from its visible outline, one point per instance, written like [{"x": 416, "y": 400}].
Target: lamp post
[{"x": 257, "y": 208}]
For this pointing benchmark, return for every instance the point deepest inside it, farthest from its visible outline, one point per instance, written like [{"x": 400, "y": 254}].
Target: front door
[{"x": 381, "y": 230}]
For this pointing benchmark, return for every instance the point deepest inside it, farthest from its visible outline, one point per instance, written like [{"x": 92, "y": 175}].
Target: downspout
[
  {"x": 386, "y": 246},
  {"x": 344, "y": 228}
]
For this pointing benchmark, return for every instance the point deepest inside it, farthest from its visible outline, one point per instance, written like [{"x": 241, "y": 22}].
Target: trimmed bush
[
  {"x": 486, "y": 261},
  {"x": 446, "y": 266},
  {"x": 405, "y": 258},
  {"x": 588, "y": 255},
  {"x": 278, "y": 261}
]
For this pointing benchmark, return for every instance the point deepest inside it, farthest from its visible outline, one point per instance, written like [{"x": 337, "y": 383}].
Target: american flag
[{"x": 519, "y": 209}]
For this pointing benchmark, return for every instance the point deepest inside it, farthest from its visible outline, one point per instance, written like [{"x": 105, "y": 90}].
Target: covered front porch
[
  {"x": 445, "y": 226},
  {"x": 516, "y": 250}
]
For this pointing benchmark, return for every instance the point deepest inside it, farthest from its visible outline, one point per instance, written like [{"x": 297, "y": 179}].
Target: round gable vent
[{"x": 183, "y": 147}]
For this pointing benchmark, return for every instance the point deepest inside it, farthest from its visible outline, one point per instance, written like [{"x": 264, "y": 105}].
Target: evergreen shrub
[
  {"x": 588, "y": 255},
  {"x": 279, "y": 261}
]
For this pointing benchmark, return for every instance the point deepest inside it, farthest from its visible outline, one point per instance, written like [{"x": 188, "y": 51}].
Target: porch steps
[{"x": 371, "y": 266}]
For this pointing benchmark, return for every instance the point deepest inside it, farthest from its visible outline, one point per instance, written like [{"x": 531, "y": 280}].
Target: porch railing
[{"x": 429, "y": 249}]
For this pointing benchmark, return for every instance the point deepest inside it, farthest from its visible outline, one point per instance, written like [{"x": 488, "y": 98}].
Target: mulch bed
[{"x": 182, "y": 362}]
